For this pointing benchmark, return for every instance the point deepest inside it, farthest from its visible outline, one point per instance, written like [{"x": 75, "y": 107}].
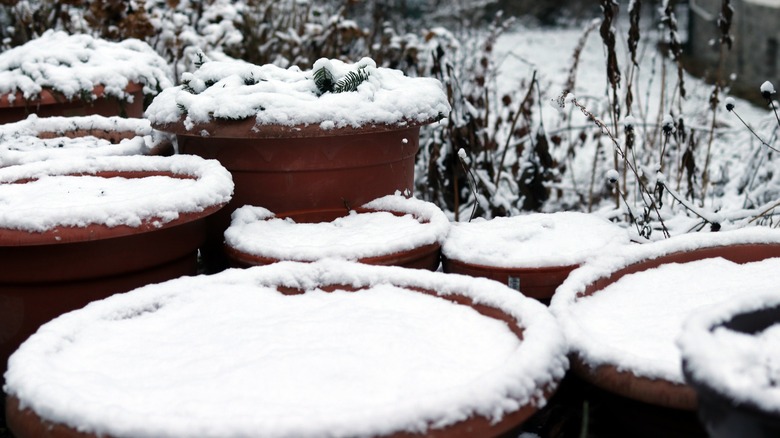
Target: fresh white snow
[
  {"x": 228, "y": 355},
  {"x": 533, "y": 240},
  {"x": 68, "y": 193},
  {"x": 634, "y": 322},
  {"x": 289, "y": 97},
  {"x": 745, "y": 367},
  {"x": 256, "y": 231},
  {"x": 38, "y": 139},
  {"x": 74, "y": 64}
]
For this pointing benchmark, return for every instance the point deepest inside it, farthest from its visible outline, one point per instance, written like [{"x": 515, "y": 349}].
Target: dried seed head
[
  {"x": 612, "y": 176},
  {"x": 767, "y": 90},
  {"x": 729, "y": 104}
]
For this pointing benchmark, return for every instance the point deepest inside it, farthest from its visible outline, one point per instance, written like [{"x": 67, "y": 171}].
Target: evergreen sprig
[
  {"x": 351, "y": 81},
  {"x": 323, "y": 78}
]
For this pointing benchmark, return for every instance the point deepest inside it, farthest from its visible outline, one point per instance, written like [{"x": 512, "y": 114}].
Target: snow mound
[
  {"x": 228, "y": 355},
  {"x": 237, "y": 90},
  {"x": 533, "y": 240},
  {"x": 69, "y": 192},
  {"x": 633, "y": 323},
  {"x": 75, "y": 64},
  {"x": 256, "y": 231}
]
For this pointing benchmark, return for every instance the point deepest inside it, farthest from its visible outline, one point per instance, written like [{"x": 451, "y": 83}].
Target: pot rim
[
  {"x": 49, "y": 96},
  {"x": 247, "y": 128},
  {"x": 214, "y": 191}
]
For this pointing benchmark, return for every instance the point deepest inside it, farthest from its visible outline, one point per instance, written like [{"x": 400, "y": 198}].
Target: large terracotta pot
[
  {"x": 730, "y": 361},
  {"x": 526, "y": 351},
  {"x": 38, "y": 139},
  {"x": 61, "y": 263},
  {"x": 740, "y": 247},
  {"x": 392, "y": 230},
  {"x": 51, "y": 103},
  {"x": 531, "y": 253}
]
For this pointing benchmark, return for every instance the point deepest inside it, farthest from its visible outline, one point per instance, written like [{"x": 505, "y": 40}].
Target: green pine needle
[
  {"x": 323, "y": 78},
  {"x": 351, "y": 81}
]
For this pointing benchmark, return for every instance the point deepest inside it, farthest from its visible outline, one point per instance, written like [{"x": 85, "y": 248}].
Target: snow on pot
[
  {"x": 74, "y": 75},
  {"x": 392, "y": 230},
  {"x": 622, "y": 312},
  {"x": 72, "y": 231},
  {"x": 339, "y": 134},
  {"x": 731, "y": 357},
  {"x": 331, "y": 348},
  {"x": 532, "y": 253},
  {"x": 38, "y": 139}
]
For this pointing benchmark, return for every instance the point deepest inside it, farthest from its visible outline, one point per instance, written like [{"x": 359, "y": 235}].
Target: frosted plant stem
[{"x": 754, "y": 132}]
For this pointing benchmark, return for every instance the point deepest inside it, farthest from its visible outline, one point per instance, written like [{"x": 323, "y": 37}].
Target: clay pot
[
  {"x": 374, "y": 245},
  {"x": 38, "y": 139},
  {"x": 728, "y": 408},
  {"x": 303, "y": 168},
  {"x": 741, "y": 246},
  {"x": 51, "y": 103},
  {"x": 62, "y": 265},
  {"x": 538, "y": 360},
  {"x": 533, "y": 253}
]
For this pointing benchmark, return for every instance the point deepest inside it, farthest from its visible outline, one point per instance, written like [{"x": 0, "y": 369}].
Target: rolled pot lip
[
  {"x": 180, "y": 166},
  {"x": 248, "y": 128},
  {"x": 599, "y": 272},
  {"x": 49, "y": 96},
  {"x": 526, "y": 319},
  {"x": 512, "y": 270},
  {"x": 376, "y": 255},
  {"x": 699, "y": 329}
]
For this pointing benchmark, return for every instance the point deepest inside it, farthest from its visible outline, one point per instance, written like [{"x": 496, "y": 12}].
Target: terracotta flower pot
[
  {"x": 392, "y": 230},
  {"x": 75, "y": 75},
  {"x": 38, "y": 139},
  {"x": 533, "y": 253},
  {"x": 648, "y": 290},
  {"x": 291, "y": 147},
  {"x": 72, "y": 231},
  {"x": 387, "y": 352},
  {"x": 730, "y": 357}
]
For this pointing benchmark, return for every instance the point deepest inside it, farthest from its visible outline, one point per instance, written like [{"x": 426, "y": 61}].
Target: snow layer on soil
[
  {"x": 741, "y": 366},
  {"x": 634, "y": 322},
  {"x": 21, "y": 142},
  {"x": 72, "y": 64},
  {"x": 67, "y": 192},
  {"x": 289, "y": 97},
  {"x": 256, "y": 231},
  {"x": 228, "y": 355},
  {"x": 534, "y": 240}
]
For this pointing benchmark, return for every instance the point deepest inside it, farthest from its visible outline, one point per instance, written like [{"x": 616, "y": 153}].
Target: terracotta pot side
[
  {"x": 25, "y": 423},
  {"x": 50, "y": 104},
  {"x": 537, "y": 283},
  {"x": 624, "y": 383}
]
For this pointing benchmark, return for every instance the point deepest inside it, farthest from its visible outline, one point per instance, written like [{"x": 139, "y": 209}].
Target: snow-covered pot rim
[
  {"x": 237, "y": 99},
  {"x": 717, "y": 369},
  {"x": 428, "y": 237},
  {"x": 43, "y": 138},
  {"x": 72, "y": 65},
  {"x": 210, "y": 190},
  {"x": 536, "y": 241},
  {"x": 48, "y": 96},
  {"x": 740, "y": 246},
  {"x": 501, "y": 399}
]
